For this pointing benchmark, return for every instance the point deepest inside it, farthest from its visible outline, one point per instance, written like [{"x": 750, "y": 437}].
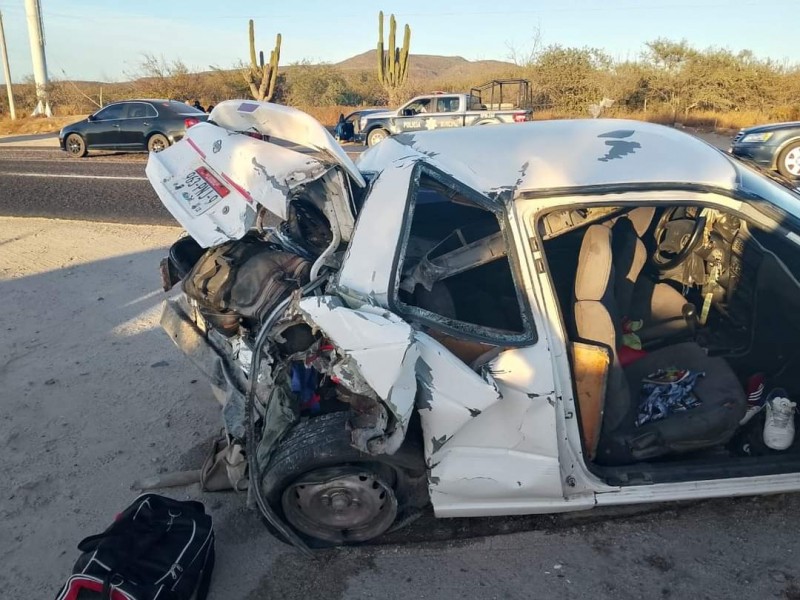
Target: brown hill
[{"x": 430, "y": 66}]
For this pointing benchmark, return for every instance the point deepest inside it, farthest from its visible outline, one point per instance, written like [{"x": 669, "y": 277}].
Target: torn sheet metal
[
  {"x": 285, "y": 123},
  {"x": 506, "y": 457},
  {"x": 450, "y": 395},
  {"x": 378, "y": 358},
  {"x": 213, "y": 181}
]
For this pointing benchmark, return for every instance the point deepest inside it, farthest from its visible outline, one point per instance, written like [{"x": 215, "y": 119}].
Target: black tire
[
  {"x": 376, "y": 136},
  {"x": 157, "y": 142},
  {"x": 315, "y": 446},
  {"x": 75, "y": 146},
  {"x": 788, "y": 162}
]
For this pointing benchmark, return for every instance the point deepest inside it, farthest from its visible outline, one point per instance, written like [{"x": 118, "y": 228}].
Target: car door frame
[
  {"x": 490, "y": 439},
  {"x": 580, "y": 477}
]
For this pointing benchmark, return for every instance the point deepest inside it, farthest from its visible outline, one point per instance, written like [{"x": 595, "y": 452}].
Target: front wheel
[
  {"x": 75, "y": 145},
  {"x": 376, "y": 136},
  {"x": 789, "y": 161},
  {"x": 326, "y": 489},
  {"x": 157, "y": 143}
]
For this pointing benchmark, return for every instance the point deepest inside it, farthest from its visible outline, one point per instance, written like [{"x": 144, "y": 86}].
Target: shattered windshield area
[{"x": 455, "y": 268}]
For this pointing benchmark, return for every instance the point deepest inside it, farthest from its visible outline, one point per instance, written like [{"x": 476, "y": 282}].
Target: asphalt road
[
  {"x": 109, "y": 187},
  {"x": 44, "y": 182}
]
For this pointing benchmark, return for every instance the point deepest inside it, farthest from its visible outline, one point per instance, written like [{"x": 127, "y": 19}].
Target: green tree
[
  {"x": 317, "y": 85},
  {"x": 571, "y": 79}
]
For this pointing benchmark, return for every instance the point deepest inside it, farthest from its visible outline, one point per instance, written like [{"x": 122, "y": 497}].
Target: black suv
[
  {"x": 132, "y": 125},
  {"x": 775, "y": 146}
]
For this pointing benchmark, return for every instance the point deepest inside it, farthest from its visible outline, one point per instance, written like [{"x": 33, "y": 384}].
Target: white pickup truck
[{"x": 445, "y": 110}]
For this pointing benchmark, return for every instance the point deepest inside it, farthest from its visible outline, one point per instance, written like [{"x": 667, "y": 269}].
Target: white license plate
[{"x": 201, "y": 190}]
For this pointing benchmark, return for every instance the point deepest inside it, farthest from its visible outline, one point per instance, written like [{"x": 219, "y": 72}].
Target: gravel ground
[{"x": 94, "y": 396}]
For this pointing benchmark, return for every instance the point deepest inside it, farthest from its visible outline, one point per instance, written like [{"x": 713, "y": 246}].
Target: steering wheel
[{"x": 676, "y": 239}]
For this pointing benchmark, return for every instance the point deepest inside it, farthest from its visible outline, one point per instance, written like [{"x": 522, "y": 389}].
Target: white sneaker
[{"x": 779, "y": 426}]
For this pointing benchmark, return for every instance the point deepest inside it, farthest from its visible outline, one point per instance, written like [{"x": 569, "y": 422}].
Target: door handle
[
  {"x": 115, "y": 125},
  {"x": 146, "y": 124}
]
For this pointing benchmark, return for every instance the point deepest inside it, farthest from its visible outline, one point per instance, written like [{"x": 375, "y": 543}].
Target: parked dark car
[
  {"x": 132, "y": 125},
  {"x": 775, "y": 146}
]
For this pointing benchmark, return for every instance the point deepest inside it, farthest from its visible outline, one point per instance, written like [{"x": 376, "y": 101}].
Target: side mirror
[{"x": 91, "y": 118}]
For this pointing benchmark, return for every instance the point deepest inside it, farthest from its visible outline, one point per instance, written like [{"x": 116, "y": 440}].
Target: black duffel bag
[
  {"x": 156, "y": 549},
  {"x": 247, "y": 277}
]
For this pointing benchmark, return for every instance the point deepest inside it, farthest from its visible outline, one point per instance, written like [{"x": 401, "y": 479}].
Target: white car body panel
[
  {"x": 366, "y": 270},
  {"x": 699, "y": 490},
  {"x": 240, "y": 165},
  {"x": 505, "y": 460},
  {"x": 285, "y": 123},
  {"x": 546, "y": 155}
]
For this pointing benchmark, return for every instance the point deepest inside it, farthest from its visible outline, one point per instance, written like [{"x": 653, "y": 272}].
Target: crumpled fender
[{"x": 378, "y": 357}]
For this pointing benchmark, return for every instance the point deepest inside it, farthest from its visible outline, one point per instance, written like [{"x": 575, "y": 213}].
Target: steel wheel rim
[
  {"x": 792, "y": 161},
  {"x": 340, "y": 504},
  {"x": 378, "y": 137},
  {"x": 157, "y": 145}
]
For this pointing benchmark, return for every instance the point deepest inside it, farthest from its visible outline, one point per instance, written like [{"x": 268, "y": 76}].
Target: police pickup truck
[{"x": 482, "y": 106}]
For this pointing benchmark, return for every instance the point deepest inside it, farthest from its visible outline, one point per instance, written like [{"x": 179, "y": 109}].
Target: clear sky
[{"x": 105, "y": 39}]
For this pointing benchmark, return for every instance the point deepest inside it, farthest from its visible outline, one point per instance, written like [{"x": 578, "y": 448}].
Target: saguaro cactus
[
  {"x": 393, "y": 61},
  {"x": 261, "y": 76}
]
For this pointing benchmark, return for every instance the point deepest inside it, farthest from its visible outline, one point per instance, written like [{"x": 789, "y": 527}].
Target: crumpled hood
[{"x": 216, "y": 178}]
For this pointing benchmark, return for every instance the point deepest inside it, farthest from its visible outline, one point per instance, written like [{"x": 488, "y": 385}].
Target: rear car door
[
  {"x": 105, "y": 127},
  {"x": 449, "y": 113},
  {"x": 411, "y": 117},
  {"x": 137, "y": 121}
]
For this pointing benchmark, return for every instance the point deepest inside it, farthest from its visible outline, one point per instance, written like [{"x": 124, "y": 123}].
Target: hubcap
[
  {"x": 74, "y": 146},
  {"x": 792, "y": 161},
  {"x": 341, "y": 504},
  {"x": 157, "y": 146}
]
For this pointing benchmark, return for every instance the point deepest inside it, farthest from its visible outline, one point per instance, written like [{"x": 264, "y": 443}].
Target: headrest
[
  {"x": 594, "y": 264},
  {"x": 641, "y": 218}
]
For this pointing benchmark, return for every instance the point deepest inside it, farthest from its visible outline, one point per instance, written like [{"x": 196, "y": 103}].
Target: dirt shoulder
[{"x": 35, "y": 125}]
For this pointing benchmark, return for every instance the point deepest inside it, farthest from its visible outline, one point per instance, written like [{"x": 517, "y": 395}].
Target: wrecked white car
[{"x": 518, "y": 319}]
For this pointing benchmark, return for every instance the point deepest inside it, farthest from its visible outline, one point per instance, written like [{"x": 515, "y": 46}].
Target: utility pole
[
  {"x": 7, "y": 70},
  {"x": 36, "y": 34}
]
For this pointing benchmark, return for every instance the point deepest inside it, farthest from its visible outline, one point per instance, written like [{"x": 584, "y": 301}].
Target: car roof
[
  {"x": 543, "y": 156},
  {"x": 159, "y": 101}
]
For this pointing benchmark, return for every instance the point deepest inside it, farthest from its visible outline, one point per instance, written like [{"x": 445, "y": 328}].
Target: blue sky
[{"x": 105, "y": 39}]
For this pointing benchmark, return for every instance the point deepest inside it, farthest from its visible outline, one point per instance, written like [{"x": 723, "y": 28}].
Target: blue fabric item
[
  {"x": 304, "y": 381},
  {"x": 665, "y": 392}
]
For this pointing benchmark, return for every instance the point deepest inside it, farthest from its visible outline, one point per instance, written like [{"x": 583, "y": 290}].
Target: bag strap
[
  {"x": 106, "y": 593},
  {"x": 205, "y": 575}
]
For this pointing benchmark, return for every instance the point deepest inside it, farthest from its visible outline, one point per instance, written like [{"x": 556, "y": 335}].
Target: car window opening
[
  {"x": 627, "y": 282},
  {"x": 455, "y": 268}
]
